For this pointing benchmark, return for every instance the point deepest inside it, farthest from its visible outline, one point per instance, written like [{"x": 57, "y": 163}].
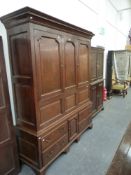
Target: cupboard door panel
[
  {"x": 73, "y": 127},
  {"x": 94, "y": 97},
  {"x": 100, "y": 64},
  {"x": 93, "y": 63},
  {"x": 83, "y": 95},
  {"x": 70, "y": 101},
  {"x": 83, "y": 63},
  {"x": 69, "y": 64},
  {"x": 53, "y": 136},
  {"x": 99, "y": 95},
  {"x": 48, "y": 63},
  {"x": 50, "y": 112}
]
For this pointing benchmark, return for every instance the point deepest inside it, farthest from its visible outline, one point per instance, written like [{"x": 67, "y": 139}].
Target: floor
[
  {"x": 121, "y": 164},
  {"x": 93, "y": 154}
]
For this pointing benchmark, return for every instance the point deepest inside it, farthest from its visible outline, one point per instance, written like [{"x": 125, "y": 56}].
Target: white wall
[{"x": 102, "y": 17}]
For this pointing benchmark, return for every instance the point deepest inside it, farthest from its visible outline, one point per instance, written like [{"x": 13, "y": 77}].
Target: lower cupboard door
[{"x": 54, "y": 151}]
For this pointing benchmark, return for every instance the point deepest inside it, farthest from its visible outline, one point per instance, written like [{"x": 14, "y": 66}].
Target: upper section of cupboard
[
  {"x": 28, "y": 14},
  {"x": 50, "y": 66}
]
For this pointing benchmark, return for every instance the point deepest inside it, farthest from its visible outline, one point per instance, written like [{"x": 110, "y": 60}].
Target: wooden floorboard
[{"x": 121, "y": 163}]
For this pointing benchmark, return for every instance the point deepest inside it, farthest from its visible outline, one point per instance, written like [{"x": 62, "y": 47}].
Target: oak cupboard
[
  {"x": 9, "y": 163},
  {"x": 50, "y": 73},
  {"x": 96, "y": 78}
]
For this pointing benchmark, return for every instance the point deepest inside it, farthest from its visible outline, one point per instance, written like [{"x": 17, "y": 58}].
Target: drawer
[
  {"x": 84, "y": 125},
  {"x": 54, "y": 135},
  {"x": 55, "y": 150},
  {"x": 85, "y": 113}
]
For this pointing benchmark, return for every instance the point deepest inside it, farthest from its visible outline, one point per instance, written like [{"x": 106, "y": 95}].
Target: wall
[{"x": 105, "y": 19}]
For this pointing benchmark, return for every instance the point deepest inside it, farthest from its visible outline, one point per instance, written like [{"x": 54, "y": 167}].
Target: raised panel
[
  {"x": 84, "y": 125},
  {"x": 73, "y": 127},
  {"x": 94, "y": 97},
  {"x": 20, "y": 51},
  {"x": 2, "y": 100},
  {"x": 85, "y": 113},
  {"x": 93, "y": 65},
  {"x": 83, "y": 63},
  {"x": 4, "y": 127},
  {"x": 100, "y": 65},
  {"x": 69, "y": 64},
  {"x": 50, "y": 111},
  {"x": 28, "y": 150},
  {"x": 50, "y": 73},
  {"x": 83, "y": 95},
  {"x": 25, "y": 104},
  {"x": 70, "y": 102},
  {"x": 55, "y": 150},
  {"x": 7, "y": 164},
  {"x": 99, "y": 95},
  {"x": 54, "y": 136}
]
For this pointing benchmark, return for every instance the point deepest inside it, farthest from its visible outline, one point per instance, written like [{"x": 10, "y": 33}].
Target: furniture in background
[
  {"x": 9, "y": 162},
  {"x": 50, "y": 74},
  {"x": 96, "y": 77},
  {"x": 118, "y": 73},
  {"x": 120, "y": 86}
]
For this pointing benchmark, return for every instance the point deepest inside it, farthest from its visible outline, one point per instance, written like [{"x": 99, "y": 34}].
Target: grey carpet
[{"x": 94, "y": 152}]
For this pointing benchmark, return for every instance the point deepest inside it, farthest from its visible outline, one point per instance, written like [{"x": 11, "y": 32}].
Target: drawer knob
[{"x": 45, "y": 140}]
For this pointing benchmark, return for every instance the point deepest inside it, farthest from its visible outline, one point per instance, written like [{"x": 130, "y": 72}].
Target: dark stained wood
[
  {"x": 9, "y": 163},
  {"x": 121, "y": 163},
  {"x": 96, "y": 76},
  {"x": 50, "y": 71}
]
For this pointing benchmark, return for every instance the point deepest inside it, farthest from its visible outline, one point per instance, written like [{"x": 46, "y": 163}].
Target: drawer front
[
  {"x": 54, "y": 135},
  {"x": 84, "y": 125},
  {"x": 85, "y": 113},
  {"x": 55, "y": 150}
]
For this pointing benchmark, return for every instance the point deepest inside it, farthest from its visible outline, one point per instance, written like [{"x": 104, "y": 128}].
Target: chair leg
[{"x": 123, "y": 93}]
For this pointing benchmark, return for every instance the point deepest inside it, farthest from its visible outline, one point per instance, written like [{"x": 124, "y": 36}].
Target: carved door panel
[{"x": 8, "y": 154}]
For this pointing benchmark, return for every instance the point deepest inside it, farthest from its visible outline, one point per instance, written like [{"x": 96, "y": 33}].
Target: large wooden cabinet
[
  {"x": 96, "y": 77},
  {"x": 50, "y": 74},
  {"x": 9, "y": 163}
]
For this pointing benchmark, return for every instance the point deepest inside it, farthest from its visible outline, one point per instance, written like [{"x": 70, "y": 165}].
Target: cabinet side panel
[{"x": 22, "y": 76}]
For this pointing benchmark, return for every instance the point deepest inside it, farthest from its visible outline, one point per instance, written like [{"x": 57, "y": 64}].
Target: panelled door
[
  {"x": 8, "y": 152},
  {"x": 83, "y": 72},
  {"x": 49, "y": 70}
]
